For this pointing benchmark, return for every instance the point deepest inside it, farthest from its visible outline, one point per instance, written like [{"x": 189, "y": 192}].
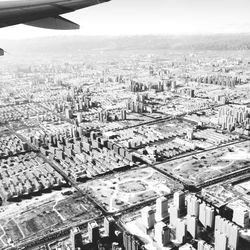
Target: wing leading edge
[{"x": 42, "y": 13}]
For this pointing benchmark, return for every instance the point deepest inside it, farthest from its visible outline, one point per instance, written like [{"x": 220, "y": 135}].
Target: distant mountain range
[{"x": 78, "y": 44}]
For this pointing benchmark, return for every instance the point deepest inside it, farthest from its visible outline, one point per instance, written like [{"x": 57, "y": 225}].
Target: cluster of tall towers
[
  {"x": 130, "y": 242},
  {"x": 83, "y": 102},
  {"x": 107, "y": 116},
  {"x": 154, "y": 219},
  {"x": 159, "y": 87},
  {"x": 110, "y": 238},
  {"x": 79, "y": 104},
  {"x": 228, "y": 81},
  {"x": 138, "y": 87},
  {"x": 226, "y": 234},
  {"x": 177, "y": 209},
  {"x": 188, "y": 92},
  {"x": 230, "y": 117},
  {"x": 189, "y": 217},
  {"x": 137, "y": 106}
]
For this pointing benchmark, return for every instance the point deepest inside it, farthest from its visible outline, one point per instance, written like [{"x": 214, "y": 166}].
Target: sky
[{"x": 144, "y": 17}]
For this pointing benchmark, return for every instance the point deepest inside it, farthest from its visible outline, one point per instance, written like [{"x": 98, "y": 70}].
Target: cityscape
[{"x": 125, "y": 150}]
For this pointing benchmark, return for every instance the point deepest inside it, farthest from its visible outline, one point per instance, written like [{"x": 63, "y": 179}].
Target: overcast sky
[{"x": 136, "y": 17}]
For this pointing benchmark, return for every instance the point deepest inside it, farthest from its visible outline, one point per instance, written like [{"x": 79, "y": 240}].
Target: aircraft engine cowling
[{"x": 1, "y": 52}]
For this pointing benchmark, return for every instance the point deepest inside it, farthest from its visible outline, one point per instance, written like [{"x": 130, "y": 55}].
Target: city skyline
[{"x": 121, "y": 18}]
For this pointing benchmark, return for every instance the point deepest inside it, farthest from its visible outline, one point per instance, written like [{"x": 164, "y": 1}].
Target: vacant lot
[
  {"x": 129, "y": 188},
  {"x": 199, "y": 168}
]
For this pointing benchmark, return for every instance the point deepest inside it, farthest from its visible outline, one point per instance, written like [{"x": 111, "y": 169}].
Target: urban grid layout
[{"x": 126, "y": 151}]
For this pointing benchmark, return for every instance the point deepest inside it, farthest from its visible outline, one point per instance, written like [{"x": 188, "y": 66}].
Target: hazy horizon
[
  {"x": 75, "y": 45},
  {"x": 80, "y": 36}
]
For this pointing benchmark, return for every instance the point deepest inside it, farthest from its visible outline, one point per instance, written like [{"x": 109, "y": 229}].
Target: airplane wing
[{"x": 42, "y": 13}]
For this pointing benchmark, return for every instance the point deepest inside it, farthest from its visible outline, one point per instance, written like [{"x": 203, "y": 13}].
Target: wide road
[{"x": 168, "y": 117}]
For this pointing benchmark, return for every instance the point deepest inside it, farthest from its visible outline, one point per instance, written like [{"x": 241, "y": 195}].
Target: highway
[{"x": 225, "y": 177}]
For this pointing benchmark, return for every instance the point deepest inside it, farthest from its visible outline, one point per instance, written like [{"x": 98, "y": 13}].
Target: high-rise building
[
  {"x": 79, "y": 117},
  {"x": 200, "y": 245},
  {"x": 206, "y": 214},
  {"x": 93, "y": 232},
  {"x": 202, "y": 213},
  {"x": 217, "y": 222},
  {"x": 162, "y": 234},
  {"x": 209, "y": 216},
  {"x": 179, "y": 200},
  {"x": 192, "y": 225},
  {"x": 125, "y": 240},
  {"x": 230, "y": 230},
  {"x": 220, "y": 241},
  {"x": 181, "y": 230},
  {"x": 190, "y": 134},
  {"x": 191, "y": 93},
  {"x": 109, "y": 226},
  {"x": 76, "y": 238},
  {"x": 241, "y": 217},
  {"x": 233, "y": 238},
  {"x": 161, "y": 208},
  {"x": 68, "y": 113},
  {"x": 193, "y": 205},
  {"x": 80, "y": 104},
  {"x": 130, "y": 242},
  {"x": 148, "y": 217},
  {"x": 123, "y": 114},
  {"x": 174, "y": 215},
  {"x": 135, "y": 244},
  {"x": 173, "y": 85}
]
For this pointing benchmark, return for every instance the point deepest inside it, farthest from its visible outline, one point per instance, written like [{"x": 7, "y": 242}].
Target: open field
[
  {"x": 202, "y": 167},
  {"x": 172, "y": 126},
  {"x": 123, "y": 190},
  {"x": 46, "y": 214},
  {"x": 233, "y": 195}
]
